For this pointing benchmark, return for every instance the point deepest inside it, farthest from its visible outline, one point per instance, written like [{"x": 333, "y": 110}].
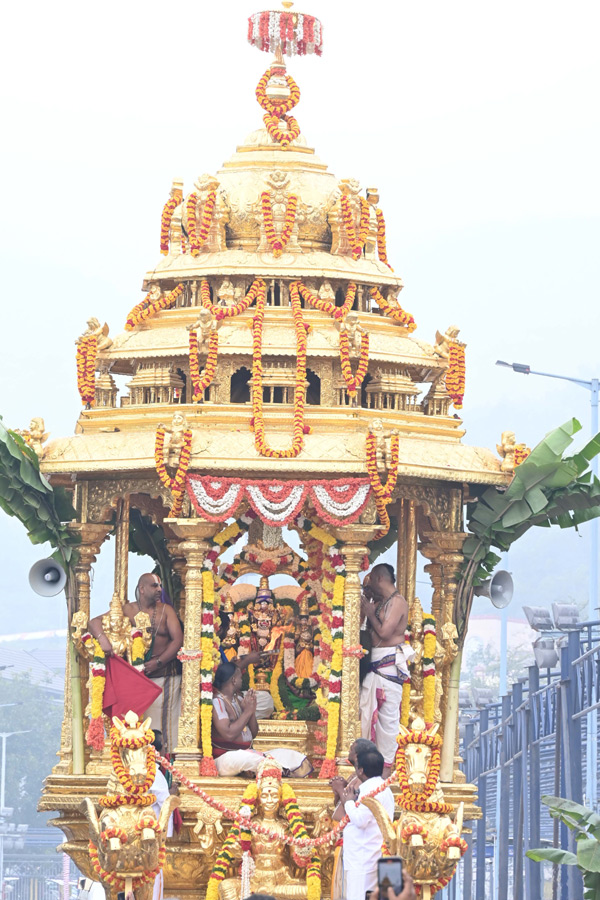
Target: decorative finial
[{"x": 297, "y": 34}]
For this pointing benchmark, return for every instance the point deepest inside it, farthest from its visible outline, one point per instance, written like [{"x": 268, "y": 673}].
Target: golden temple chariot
[{"x": 275, "y": 382}]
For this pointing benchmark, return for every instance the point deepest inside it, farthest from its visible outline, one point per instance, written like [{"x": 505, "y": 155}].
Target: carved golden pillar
[
  {"x": 122, "y": 548},
  {"x": 193, "y": 534},
  {"x": 401, "y": 508},
  {"x": 410, "y": 556},
  {"x": 179, "y": 569},
  {"x": 354, "y": 539},
  {"x": 76, "y": 670},
  {"x": 434, "y": 570}
]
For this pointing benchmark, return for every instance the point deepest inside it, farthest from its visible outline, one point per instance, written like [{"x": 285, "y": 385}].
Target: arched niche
[{"x": 239, "y": 387}]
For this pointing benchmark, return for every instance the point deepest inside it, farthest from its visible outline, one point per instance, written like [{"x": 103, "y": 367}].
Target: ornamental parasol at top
[{"x": 292, "y": 33}]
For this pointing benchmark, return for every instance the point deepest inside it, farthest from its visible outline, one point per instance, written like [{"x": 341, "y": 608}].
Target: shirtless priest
[
  {"x": 386, "y": 612},
  {"x": 161, "y": 661}
]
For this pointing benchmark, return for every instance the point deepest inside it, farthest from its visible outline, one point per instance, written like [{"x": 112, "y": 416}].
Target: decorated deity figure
[
  {"x": 444, "y": 341},
  {"x": 266, "y": 622},
  {"x": 353, "y": 329},
  {"x": 231, "y": 636},
  {"x": 279, "y": 189},
  {"x": 506, "y": 449},
  {"x": 273, "y": 869},
  {"x": 226, "y": 293},
  {"x": 34, "y": 436},
  {"x": 205, "y": 325},
  {"x": 205, "y": 186},
  {"x": 127, "y": 840},
  {"x": 304, "y": 642},
  {"x": 383, "y": 448},
  {"x": 94, "y": 328},
  {"x": 117, "y": 628},
  {"x": 349, "y": 188},
  {"x": 177, "y": 431},
  {"x": 326, "y": 292}
]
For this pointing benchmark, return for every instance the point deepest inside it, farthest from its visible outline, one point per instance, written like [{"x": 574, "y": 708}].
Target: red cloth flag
[{"x": 126, "y": 688}]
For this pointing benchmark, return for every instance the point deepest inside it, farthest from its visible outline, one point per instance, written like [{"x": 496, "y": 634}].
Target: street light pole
[
  {"x": 4, "y": 735},
  {"x": 593, "y": 386}
]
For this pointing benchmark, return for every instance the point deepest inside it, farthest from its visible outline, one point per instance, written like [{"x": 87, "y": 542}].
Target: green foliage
[
  {"x": 586, "y": 825},
  {"x": 27, "y": 494},
  {"x": 29, "y": 757},
  {"x": 148, "y": 539},
  {"x": 547, "y": 489}
]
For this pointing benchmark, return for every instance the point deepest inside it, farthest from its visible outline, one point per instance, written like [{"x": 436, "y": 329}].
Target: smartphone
[{"x": 389, "y": 874}]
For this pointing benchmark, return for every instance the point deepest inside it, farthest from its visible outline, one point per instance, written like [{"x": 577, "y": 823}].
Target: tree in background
[{"x": 30, "y": 757}]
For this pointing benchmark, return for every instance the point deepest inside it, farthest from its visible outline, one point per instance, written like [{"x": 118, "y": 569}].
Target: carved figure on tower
[{"x": 100, "y": 332}]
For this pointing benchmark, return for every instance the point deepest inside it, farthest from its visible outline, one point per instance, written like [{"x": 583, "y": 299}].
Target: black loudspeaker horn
[
  {"x": 47, "y": 577},
  {"x": 499, "y": 588}
]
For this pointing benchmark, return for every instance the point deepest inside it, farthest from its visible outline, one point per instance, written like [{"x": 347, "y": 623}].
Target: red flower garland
[
  {"x": 356, "y": 242},
  {"x": 197, "y": 238},
  {"x": 398, "y": 315},
  {"x": 200, "y": 381},
  {"x": 87, "y": 352},
  {"x": 278, "y": 242},
  {"x": 145, "y": 310}
]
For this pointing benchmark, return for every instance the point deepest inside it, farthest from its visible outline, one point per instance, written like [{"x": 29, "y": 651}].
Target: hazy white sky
[{"x": 479, "y": 122}]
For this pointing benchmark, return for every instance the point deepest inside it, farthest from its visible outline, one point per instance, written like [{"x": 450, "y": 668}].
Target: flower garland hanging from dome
[
  {"x": 87, "y": 351},
  {"x": 229, "y": 312},
  {"x": 258, "y": 422},
  {"x": 277, "y": 109},
  {"x": 165, "y": 220},
  {"x": 336, "y": 312},
  {"x": 278, "y": 242},
  {"x": 145, "y": 310},
  {"x": 381, "y": 240},
  {"x": 198, "y": 237},
  {"x": 455, "y": 376},
  {"x": 395, "y": 313},
  {"x": 202, "y": 380},
  {"x": 353, "y": 382}
]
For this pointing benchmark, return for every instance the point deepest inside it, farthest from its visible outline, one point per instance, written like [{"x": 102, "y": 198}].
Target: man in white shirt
[{"x": 362, "y": 837}]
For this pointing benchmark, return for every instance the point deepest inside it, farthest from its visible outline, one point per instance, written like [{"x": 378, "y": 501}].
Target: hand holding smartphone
[{"x": 389, "y": 874}]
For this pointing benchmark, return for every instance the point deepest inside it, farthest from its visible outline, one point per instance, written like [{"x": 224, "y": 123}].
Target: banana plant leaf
[
  {"x": 548, "y": 488},
  {"x": 148, "y": 539},
  {"x": 26, "y": 494}
]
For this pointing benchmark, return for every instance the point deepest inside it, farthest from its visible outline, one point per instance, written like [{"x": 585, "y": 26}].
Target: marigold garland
[
  {"x": 176, "y": 484},
  {"x": 298, "y": 428},
  {"x": 336, "y": 312},
  {"x": 229, "y": 312},
  {"x": 165, "y": 220},
  {"x": 455, "y": 374},
  {"x": 202, "y": 380},
  {"x": 145, "y": 310},
  {"x": 400, "y": 316},
  {"x": 428, "y": 667},
  {"x": 198, "y": 237},
  {"x": 277, "y": 109},
  {"x": 95, "y": 731},
  {"x": 521, "y": 454},
  {"x": 383, "y": 495},
  {"x": 381, "y": 240},
  {"x": 353, "y": 382},
  {"x": 87, "y": 352},
  {"x": 357, "y": 242},
  {"x": 138, "y": 649},
  {"x": 278, "y": 242},
  {"x": 418, "y": 801},
  {"x": 207, "y": 766}
]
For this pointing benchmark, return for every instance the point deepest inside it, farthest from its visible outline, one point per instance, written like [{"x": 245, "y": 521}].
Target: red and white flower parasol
[{"x": 293, "y": 33}]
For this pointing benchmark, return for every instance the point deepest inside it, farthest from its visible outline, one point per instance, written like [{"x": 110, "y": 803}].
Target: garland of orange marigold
[
  {"x": 455, "y": 375},
  {"x": 176, "y": 484},
  {"x": 356, "y": 242},
  {"x": 383, "y": 495},
  {"x": 521, "y": 454},
  {"x": 398, "y": 315},
  {"x": 353, "y": 382},
  {"x": 418, "y": 801},
  {"x": 145, "y": 310},
  {"x": 165, "y": 220},
  {"x": 200, "y": 381},
  {"x": 277, "y": 242},
  {"x": 381, "y": 241},
  {"x": 95, "y": 731},
  {"x": 336, "y": 312},
  {"x": 229, "y": 312},
  {"x": 428, "y": 668},
  {"x": 195, "y": 237},
  {"x": 87, "y": 351},
  {"x": 277, "y": 108},
  {"x": 258, "y": 422}
]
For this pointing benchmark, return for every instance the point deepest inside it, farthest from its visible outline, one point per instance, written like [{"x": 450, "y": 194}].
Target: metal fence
[{"x": 534, "y": 741}]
